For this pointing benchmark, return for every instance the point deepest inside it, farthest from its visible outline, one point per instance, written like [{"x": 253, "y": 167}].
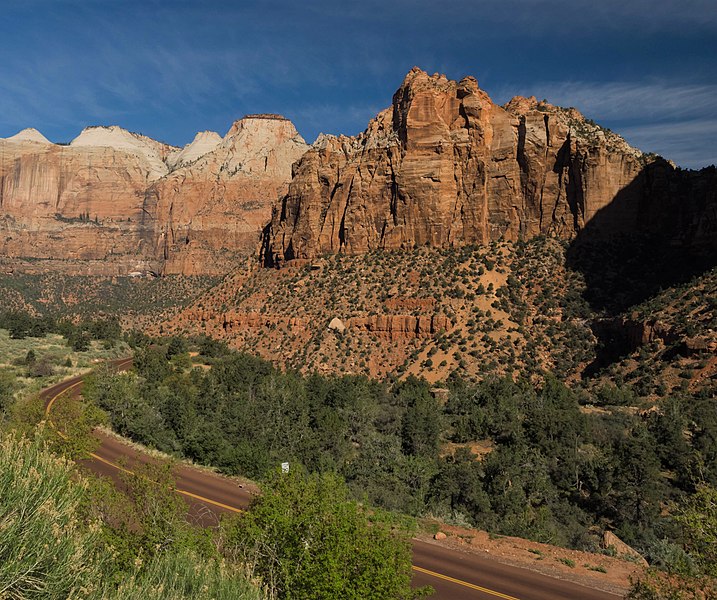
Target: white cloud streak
[{"x": 620, "y": 100}]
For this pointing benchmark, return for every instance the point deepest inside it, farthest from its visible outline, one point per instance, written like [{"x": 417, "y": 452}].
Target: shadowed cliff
[{"x": 658, "y": 232}]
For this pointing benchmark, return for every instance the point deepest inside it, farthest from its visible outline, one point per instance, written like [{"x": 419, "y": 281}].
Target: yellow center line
[
  {"x": 463, "y": 583},
  {"x": 123, "y": 469},
  {"x": 239, "y": 510},
  {"x": 111, "y": 464},
  {"x": 179, "y": 491},
  {"x": 203, "y": 499},
  {"x": 56, "y": 396}
]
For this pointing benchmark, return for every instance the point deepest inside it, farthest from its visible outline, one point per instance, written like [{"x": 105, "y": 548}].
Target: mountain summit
[{"x": 443, "y": 166}]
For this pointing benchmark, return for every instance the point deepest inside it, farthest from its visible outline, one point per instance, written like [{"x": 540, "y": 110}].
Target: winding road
[{"x": 453, "y": 574}]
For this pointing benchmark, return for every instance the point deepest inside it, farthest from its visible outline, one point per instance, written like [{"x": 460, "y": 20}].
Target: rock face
[
  {"x": 621, "y": 549},
  {"x": 337, "y": 325},
  {"x": 113, "y": 202},
  {"x": 443, "y": 166},
  {"x": 83, "y": 202},
  {"x": 446, "y": 166},
  {"x": 401, "y": 327}
]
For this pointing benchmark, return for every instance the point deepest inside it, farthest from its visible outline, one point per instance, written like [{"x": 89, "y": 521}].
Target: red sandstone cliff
[
  {"x": 81, "y": 202},
  {"x": 447, "y": 166},
  {"x": 443, "y": 166},
  {"x": 212, "y": 209}
]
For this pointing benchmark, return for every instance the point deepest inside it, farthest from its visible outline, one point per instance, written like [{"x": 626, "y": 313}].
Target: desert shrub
[
  {"x": 46, "y": 551},
  {"x": 307, "y": 540}
]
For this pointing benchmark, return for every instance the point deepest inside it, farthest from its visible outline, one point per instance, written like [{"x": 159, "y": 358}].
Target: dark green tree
[{"x": 422, "y": 422}]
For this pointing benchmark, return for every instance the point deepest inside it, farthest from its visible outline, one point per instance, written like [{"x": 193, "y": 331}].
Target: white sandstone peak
[
  {"x": 116, "y": 137},
  {"x": 29, "y": 135},
  {"x": 203, "y": 143},
  {"x": 261, "y": 144}
]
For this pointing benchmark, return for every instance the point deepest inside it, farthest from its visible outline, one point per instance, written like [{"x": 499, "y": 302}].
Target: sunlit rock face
[{"x": 447, "y": 166}]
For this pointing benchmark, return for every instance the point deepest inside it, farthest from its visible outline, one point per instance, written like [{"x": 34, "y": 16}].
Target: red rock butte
[{"x": 445, "y": 165}]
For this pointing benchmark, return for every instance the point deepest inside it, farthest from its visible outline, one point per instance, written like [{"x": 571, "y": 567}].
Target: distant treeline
[
  {"x": 552, "y": 471},
  {"x": 78, "y": 335}
]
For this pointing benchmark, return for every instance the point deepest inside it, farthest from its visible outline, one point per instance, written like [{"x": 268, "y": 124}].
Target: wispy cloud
[
  {"x": 690, "y": 144},
  {"x": 624, "y": 100},
  {"x": 171, "y": 68},
  {"x": 575, "y": 18}
]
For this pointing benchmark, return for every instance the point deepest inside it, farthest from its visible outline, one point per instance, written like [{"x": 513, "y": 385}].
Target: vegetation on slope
[
  {"x": 510, "y": 308},
  {"x": 68, "y": 535},
  {"x": 84, "y": 297},
  {"x": 583, "y": 314}
]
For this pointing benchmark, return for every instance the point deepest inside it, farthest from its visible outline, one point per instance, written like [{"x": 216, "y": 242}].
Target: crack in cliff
[
  {"x": 546, "y": 121},
  {"x": 342, "y": 225},
  {"x": 575, "y": 189},
  {"x": 524, "y": 168}
]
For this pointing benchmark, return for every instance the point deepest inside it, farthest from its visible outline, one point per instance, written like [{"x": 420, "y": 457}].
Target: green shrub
[{"x": 307, "y": 540}]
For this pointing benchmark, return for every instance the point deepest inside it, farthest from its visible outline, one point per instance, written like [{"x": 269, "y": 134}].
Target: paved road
[{"x": 453, "y": 574}]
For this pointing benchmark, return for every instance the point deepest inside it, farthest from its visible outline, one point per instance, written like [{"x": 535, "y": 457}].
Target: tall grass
[
  {"x": 45, "y": 550},
  {"x": 183, "y": 575}
]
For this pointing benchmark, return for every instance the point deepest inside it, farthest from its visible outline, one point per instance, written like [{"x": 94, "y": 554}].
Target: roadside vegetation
[
  {"x": 561, "y": 467},
  {"x": 55, "y": 543},
  {"x": 69, "y": 535}
]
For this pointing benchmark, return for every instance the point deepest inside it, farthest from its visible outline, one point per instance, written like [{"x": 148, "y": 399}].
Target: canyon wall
[
  {"x": 113, "y": 202},
  {"x": 443, "y": 166}
]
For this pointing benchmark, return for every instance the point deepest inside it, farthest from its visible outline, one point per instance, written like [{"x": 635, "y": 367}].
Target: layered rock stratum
[
  {"x": 446, "y": 166},
  {"x": 114, "y": 202}
]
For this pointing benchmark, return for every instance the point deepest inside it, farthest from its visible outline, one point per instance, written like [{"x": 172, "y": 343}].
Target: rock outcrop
[
  {"x": 401, "y": 327},
  {"x": 621, "y": 549},
  {"x": 114, "y": 202},
  {"x": 337, "y": 325},
  {"x": 233, "y": 323},
  {"x": 447, "y": 166},
  {"x": 212, "y": 209}
]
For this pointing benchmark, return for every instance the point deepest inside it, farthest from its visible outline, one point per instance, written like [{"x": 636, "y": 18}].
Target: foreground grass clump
[
  {"x": 185, "y": 575},
  {"x": 46, "y": 551}
]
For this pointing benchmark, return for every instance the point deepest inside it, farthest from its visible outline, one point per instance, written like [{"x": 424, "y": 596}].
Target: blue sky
[{"x": 645, "y": 68}]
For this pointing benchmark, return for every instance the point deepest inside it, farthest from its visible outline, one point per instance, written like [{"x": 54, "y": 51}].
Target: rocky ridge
[{"x": 444, "y": 166}]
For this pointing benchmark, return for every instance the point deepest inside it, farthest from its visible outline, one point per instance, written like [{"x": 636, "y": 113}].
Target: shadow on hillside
[{"x": 659, "y": 231}]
